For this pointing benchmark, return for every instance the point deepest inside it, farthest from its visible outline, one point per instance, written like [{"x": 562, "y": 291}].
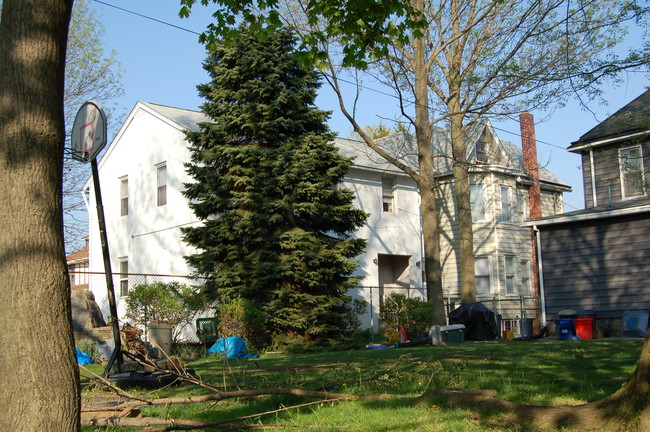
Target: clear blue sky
[{"x": 163, "y": 64}]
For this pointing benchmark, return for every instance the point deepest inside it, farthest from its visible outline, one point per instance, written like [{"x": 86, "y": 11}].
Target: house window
[
  {"x": 631, "y": 166},
  {"x": 124, "y": 196},
  {"x": 507, "y": 213},
  {"x": 478, "y": 199},
  {"x": 124, "y": 277},
  {"x": 522, "y": 207},
  {"x": 161, "y": 176},
  {"x": 387, "y": 188},
  {"x": 525, "y": 277},
  {"x": 481, "y": 149},
  {"x": 483, "y": 274},
  {"x": 510, "y": 275}
]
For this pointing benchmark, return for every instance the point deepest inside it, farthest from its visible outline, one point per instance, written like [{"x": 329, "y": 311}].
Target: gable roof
[
  {"x": 631, "y": 120},
  {"x": 186, "y": 119},
  {"x": 401, "y": 144},
  {"x": 404, "y": 146}
]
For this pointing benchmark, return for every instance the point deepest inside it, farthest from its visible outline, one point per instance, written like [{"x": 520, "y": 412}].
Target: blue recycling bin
[{"x": 565, "y": 328}]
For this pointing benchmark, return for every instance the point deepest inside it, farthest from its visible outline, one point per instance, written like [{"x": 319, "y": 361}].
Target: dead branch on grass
[{"x": 232, "y": 422}]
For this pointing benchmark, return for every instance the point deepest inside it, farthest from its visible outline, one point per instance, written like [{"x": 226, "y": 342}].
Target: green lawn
[{"x": 547, "y": 372}]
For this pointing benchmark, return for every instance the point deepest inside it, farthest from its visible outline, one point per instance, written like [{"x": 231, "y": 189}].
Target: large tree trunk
[
  {"x": 427, "y": 181},
  {"x": 460, "y": 166},
  {"x": 631, "y": 403},
  {"x": 463, "y": 207},
  {"x": 37, "y": 361}
]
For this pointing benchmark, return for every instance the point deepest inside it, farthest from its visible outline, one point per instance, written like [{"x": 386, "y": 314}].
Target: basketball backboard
[{"x": 88, "y": 132}]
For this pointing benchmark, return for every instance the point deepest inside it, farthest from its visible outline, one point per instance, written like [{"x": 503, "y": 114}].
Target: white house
[{"x": 142, "y": 175}]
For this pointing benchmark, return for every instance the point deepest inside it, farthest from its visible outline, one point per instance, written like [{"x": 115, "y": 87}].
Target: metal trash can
[
  {"x": 160, "y": 335},
  {"x": 526, "y": 327}
]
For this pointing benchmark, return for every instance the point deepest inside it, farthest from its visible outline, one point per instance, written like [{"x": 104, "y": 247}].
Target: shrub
[
  {"x": 413, "y": 314},
  {"x": 242, "y": 318},
  {"x": 349, "y": 336},
  {"x": 172, "y": 303}
]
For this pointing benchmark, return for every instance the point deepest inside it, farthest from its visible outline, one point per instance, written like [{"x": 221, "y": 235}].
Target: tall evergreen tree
[{"x": 276, "y": 228}]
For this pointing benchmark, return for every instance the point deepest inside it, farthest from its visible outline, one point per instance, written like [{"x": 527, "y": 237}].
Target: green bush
[
  {"x": 413, "y": 314},
  {"x": 172, "y": 303},
  {"x": 242, "y": 318},
  {"x": 350, "y": 336}
]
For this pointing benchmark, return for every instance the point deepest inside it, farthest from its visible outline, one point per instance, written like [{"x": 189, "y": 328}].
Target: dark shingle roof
[{"x": 632, "y": 118}]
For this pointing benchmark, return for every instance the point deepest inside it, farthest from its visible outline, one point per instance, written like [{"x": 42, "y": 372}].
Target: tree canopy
[{"x": 276, "y": 225}]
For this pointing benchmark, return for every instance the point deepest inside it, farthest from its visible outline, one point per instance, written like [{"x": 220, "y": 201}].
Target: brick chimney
[{"x": 531, "y": 165}]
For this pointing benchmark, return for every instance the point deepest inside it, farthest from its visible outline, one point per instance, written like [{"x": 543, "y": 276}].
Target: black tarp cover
[{"x": 480, "y": 322}]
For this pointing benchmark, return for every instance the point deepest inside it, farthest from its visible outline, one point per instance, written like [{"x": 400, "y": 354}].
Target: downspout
[
  {"x": 540, "y": 273},
  {"x": 593, "y": 178},
  {"x": 496, "y": 238}
]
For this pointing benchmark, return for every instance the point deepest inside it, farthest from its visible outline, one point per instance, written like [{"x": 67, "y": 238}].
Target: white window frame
[
  {"x": 507, "y": 206},
  {"x": 481, "y": 154},
  {"x": 510, "y": 275},
  {"x": 124, "y": 276},
  {"x": 526, "y": 277},
  {"x": 522, "y": 206},
  {"x": 624, "y": 171},
  {"x": 124, "y": 196},
  {"x": 388, "y": 194},
  {"x": 161, "y": 184},
  {"x": 477, "y": 190},
  {"x": 479, "y": 263}
]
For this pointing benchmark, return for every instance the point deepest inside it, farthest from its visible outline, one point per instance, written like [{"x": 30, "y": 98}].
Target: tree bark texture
[
  {"x": 427, "y": 181},
  {"x": 464, "y": 211},
  {"x": 37, "y": 360},
  {"x": 460, "y": 167}
]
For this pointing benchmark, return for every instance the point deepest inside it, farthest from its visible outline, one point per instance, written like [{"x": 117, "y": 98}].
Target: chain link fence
[{"x": 515, "y": 311}]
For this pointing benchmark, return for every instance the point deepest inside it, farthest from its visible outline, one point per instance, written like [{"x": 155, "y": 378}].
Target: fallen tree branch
[
  {"x": 182, "y": 424},
  {"x": 206, "y": 425}
]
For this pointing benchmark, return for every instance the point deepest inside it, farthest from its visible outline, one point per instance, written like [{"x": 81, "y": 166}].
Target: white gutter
[
  {"x": 589, "y": 216},
  {"x": 608, "y": 141},
  {"x": 593, "y": 177},
  {"x": 540, "y": 276}
]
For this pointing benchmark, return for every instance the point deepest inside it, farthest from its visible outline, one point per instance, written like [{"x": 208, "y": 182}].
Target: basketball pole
[{"x": 117, "y": 352}]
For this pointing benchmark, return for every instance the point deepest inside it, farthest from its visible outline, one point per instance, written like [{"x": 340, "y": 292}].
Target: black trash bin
[{"x": 479, "y": 321}]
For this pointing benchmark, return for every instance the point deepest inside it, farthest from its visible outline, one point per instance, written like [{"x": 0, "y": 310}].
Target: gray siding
[
  {"x": 607, "y": 175},
  {"x": 600, "y": 265},
  {"x": 607, "y": 172}
]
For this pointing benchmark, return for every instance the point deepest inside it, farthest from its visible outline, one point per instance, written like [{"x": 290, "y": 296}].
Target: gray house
[{"x": 597, "y": 258}]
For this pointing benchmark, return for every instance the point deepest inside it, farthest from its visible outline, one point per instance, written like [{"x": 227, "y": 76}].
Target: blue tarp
[
  {"x": 233, "y": 347},
  {"x": 83, "y": 358}
]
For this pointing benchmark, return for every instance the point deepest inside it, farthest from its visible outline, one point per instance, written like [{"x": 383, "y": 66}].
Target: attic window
[
  {"x": 481, "y": 149},
  {"x": 487, "y": 150}
]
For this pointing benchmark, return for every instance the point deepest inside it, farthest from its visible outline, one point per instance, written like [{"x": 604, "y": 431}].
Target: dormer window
[
  {"x": 481, "y": 150},
  {"x": 487, "y": 150}
]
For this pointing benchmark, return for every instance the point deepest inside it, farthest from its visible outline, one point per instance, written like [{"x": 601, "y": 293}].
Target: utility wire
[
  {"x": 380, "y": 92},
  {"x": 148, "y": 17},
  {"x": 383, "y": 93}
]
